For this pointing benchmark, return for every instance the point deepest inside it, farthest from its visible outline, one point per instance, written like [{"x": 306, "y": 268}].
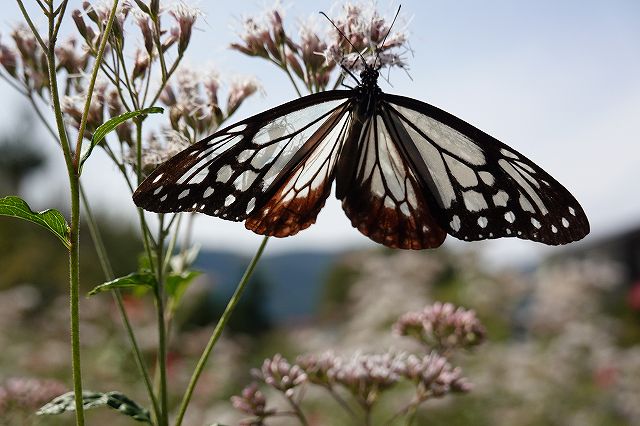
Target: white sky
[{"x": 557, "y": 81}]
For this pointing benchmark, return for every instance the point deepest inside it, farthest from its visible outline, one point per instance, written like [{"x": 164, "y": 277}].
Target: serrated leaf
[
  {"x": 176, "y": 284},
  {"x": 133, "y": 280},
  {"x": 109, "y": 126},
  {"x": 50, "y": 219},
  {"x": 114, "y": 400}
]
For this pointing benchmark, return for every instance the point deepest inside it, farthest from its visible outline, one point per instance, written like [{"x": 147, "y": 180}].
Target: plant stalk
[{"x": 222, "y": 322}]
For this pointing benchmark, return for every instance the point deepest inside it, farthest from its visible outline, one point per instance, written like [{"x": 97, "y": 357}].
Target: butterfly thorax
[{"x": 368, "y": 92}]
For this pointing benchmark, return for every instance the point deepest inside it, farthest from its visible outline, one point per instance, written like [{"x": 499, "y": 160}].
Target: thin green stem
[
  {"x": 162, "y": 329},
  {"x": 163, "y": 65},
  {"x": 92, "y": 82},
  {"x": 74, "y": 253},
  {"x": 109, "y": 275},
  {"x": 222, "y": 322},
  {"x": 298, "y": 411}
]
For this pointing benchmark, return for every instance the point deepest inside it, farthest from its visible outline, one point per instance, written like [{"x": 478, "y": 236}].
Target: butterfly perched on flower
[{"x": 407, "y": 173}]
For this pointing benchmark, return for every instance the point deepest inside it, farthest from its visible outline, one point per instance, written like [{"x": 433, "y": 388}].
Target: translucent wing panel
[
  {"x": 230, "y": 173},
  {"x": 300, "y": 191},
  {"x": 383, "y": 198},
  {"x": 482, "y": 188}
]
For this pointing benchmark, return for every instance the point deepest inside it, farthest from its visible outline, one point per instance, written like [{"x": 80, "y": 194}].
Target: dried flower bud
[
  {"x": 255, "y": 38},
  {"x": 317, "y": 367},
  {"x": 278, "y": 373},
  {"x": 69, "y": 58},
  {"x": 9, "y": 60},
  {"x": 442, "y": 327},
  {"x": 141, "y": 64},
  {"x": 167, "y": 96},
  {"x": 91, "y": 12},
  {"x": 434, "y": 376},
  {"x": 239, "y": 91},
  {"x": 170, "y": 40},
  {"x": 115, "y": 108},
  {"x": 185, "y": 16},
  {"x": 366, "y": 375},
  {"x": 293, "y": 63},
  {"x": 26, "y": 45},
  {"x": 82, "y": 27},
  {"x": 253, "y": 402},
  {"x": 145, "y": 27}
]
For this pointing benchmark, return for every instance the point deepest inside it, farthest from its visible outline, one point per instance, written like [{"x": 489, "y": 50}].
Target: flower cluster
[
  {"x": 25, "y": 63},
  {"x": 278, "y": 373},
  {"x": 193, "y": 101},
  {"x": 442, "y": 327},
  {"x": 366, "y": 376},
  {"x": 253, "y": 402},
  {"x": 313, "y": 56}
]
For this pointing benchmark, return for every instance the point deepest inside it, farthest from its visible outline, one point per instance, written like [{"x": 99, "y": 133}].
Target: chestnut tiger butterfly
[{"x": 407, "y": 173}]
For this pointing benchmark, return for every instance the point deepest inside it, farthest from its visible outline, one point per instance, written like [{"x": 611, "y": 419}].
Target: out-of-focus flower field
[{"x": 561, "y": 343}]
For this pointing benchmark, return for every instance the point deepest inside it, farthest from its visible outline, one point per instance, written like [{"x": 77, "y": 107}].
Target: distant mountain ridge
[{"x": 293, "y": 281}]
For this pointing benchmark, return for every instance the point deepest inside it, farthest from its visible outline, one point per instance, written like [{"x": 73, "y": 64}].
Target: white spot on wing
[
  {"x": 500, "y": 199},
  {"x": 565, "y": 222},
  {"x": 245, "y": 155},
  {"x": 487, "y": 178},
  {"x": 224, "y": 173},
  {"x": 455, "y": 223},
  {"x": 183, "y": 194},
  {"x": 157, "y": 191},
  {"x": 251, "y": 205},
  {"x": 164, "y": 197},
  {"x": 483, "y": 222},
  {"x": 525, "y": 204},
  {"x": 245, "y": 179},
  {"x": 572, "y": 211},
  {"x": 510, "y": 217},
  {"x": 207, "y": 192},
  {"x": 404, "y": 208},
  {"x": 461, "y": 172},
  {"x": 474, "y": 201},
  {"x": 535, "y": 223},
  {"x": 157, "y": 178},
  {"x": 230, "y": 199},
  {"x": 508, "y": 153},
  {"x": 554, "y": 229}
]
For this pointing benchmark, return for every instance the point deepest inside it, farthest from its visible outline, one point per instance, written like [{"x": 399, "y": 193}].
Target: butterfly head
[{"x": 369, "y": 76}]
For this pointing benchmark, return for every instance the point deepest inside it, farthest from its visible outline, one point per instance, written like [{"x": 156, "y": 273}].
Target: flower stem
[
  {"x": 108, "y": 272},
  {"x": 162, "y": 328},
  {"x": 218, "y": 331},
  {"x": 92, "y": 82}
]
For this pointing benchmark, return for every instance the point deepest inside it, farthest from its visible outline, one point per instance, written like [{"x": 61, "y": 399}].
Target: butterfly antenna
[
  {"x": 379, "y": 48},
  {"x": 364, "y": 62}
]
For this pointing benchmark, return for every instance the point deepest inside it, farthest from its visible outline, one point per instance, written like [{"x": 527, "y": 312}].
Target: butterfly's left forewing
[
  {"x": 478, "y": 187},
  {"x": 238, "y": 172}
]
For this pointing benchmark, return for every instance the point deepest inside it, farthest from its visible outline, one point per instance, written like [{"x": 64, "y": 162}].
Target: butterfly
[{"x": 407, "y": 173}]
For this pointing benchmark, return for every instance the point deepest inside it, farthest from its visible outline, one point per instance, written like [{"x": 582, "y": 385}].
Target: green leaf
[
  {"x": 177, "y": 283},
  {"x": 109, "y": 126},
  {"x": 143, "y": 7},
  {"x": 115, "y": 400},
  {"x": 50, "y": 219},
  {"x": 133, "y": 280}
]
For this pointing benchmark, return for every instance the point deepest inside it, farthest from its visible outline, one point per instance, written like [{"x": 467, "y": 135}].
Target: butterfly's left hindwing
[{"x": 478, "y": 187}]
